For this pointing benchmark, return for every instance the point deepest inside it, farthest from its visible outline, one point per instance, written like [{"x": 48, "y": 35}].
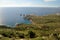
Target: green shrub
[
  {"x": 31, "y": 34},
  {"x": 20, "y": 35}
]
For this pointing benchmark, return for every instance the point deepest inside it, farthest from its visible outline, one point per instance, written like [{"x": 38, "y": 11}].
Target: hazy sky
[{"x": 29, "y": 3}]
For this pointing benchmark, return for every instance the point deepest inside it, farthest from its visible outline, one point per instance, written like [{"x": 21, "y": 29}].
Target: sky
[{"x": 29, "y": 3}]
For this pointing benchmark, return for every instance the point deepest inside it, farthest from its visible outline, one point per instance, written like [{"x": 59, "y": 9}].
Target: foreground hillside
[{"x": 41, "y": 28}]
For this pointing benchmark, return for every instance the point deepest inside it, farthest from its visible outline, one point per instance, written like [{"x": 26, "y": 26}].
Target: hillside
[
  {"x": 41, "y": 28},
  {"x": 44, "y": 26}
]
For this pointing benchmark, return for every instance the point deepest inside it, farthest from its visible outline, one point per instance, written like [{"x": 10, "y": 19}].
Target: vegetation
[{"x": 42, "y": 28}]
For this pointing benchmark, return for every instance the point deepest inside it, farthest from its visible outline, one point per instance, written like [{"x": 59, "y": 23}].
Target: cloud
[
  {"x": 15, "y": 5},
  {"x": 12, "y": 3},
  {"x": 9, "y": 3},
  {"x": 27, "y": 5},
  {"x": 49, "y": 0}
]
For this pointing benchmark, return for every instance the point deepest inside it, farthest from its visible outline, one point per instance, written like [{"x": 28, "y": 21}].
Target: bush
[
  {"x": 7, "y": 34},
  {"x": 20, "y": 35},
  {"x": 31, "y": 34},
  {"x": 56, "y": 36}
]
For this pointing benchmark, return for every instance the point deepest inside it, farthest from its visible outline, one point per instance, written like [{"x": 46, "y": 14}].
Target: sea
[{"x": 15, "y": 15}]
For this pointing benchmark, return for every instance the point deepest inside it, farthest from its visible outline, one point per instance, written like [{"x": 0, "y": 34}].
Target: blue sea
[{"x": 11, "y": 15}]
